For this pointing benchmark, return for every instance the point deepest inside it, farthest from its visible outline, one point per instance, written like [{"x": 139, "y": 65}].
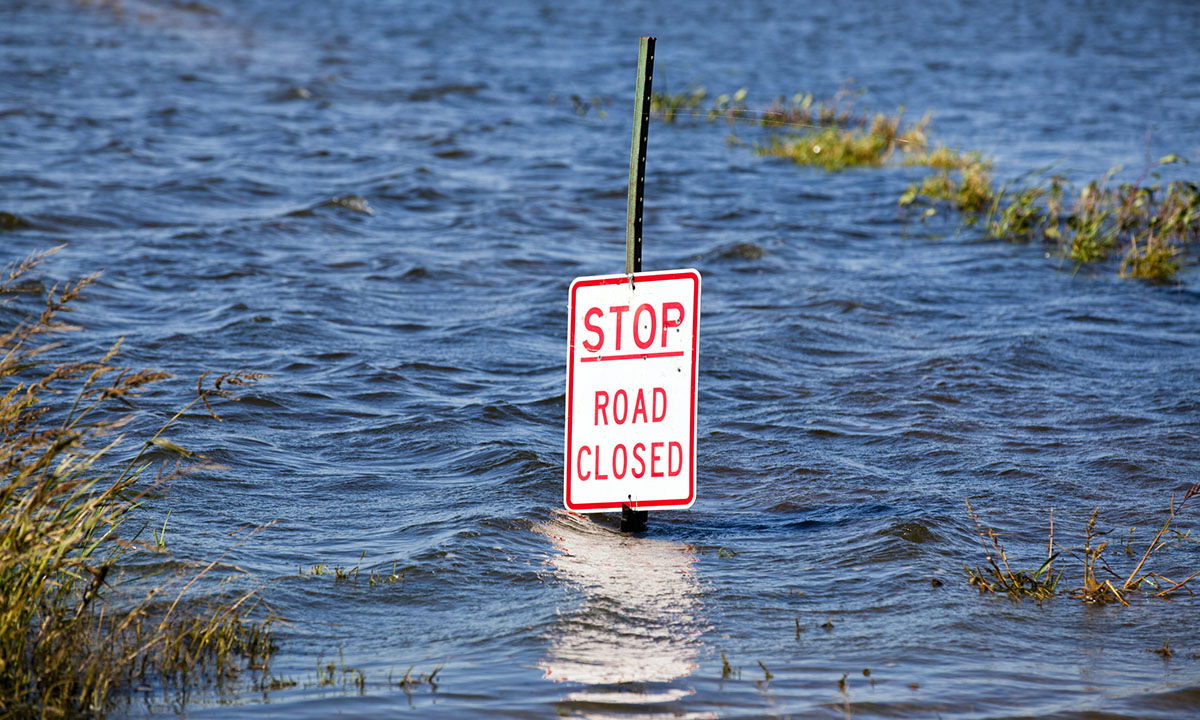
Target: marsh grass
[
  {"x": 801, "y": 110},
  {"x": 671, "y": 107},
  {"x": 1101, "y": 591},
  {"x": 961, "y": 180},
  {"x": 828, "y": 134},
  {"x": 837, "y": 148},
  {"x": 340, "y": 675},
  {"x": 1148, "y": 225},
  {"x": 727, "y": 670},
  {"x": 353, "y": 574},
  {"x": 1150, "y": 257},
  {"x": 1027, "y": 214},
  {"x": 70, "y": 645},
  {"x": 997, "y": 575},
  {"x": 1100, "y": 583},
  {"x": 412, "y": 680}
]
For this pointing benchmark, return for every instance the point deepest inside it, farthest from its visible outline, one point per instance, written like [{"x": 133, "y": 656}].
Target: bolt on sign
[{"x": 631, "y": 391}]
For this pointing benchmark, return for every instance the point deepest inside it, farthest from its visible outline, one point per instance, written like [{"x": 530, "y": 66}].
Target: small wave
[
  {"x": 439, "y": 91},
  {"x": 741, "y": 251},
  {"x": 355, "y": 203},
  {"x": 198, "y": 7},
  {"x": 913, "y": 532}
]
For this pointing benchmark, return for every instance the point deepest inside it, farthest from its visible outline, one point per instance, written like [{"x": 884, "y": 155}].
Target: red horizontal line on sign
[{"x": 636, "y": 356}]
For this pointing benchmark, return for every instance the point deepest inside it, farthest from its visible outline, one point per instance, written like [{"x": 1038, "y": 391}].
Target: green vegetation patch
[
  {"x": 1147, "y": 225},
  {"x": 799, "y": 111},
  {"x": 837, "y": 148},
  {"x": 1150, "y": 227},
  {"x": 962, "y": 180},
  {"x": 827, "y": 134}
]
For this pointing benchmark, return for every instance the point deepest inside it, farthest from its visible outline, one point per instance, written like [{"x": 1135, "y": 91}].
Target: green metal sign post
[
  {"x": 637, "y": 157},
  {"x": 635, "y": 520}
]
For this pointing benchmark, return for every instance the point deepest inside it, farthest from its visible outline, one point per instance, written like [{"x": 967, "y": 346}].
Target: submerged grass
[
  {"x": 801, "y": 110},
  {"x": 829, "y": 134},
  {"x": 997, "y": 575},
  {"x": 1149, "y": 227},
  {"x": 69, "y": 645},
  {"x": 411, "y": 680},
  {"x": 962, "y": 180},
  {"x": 352, "y": 575},
  {"x": 836, "y": 148},
  {"x": 1100, "y": 583},
  {"x": 1095, "y": 590}
]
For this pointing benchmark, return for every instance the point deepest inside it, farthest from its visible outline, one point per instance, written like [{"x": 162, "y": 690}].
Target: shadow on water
[{"x": 635, "y": 633}]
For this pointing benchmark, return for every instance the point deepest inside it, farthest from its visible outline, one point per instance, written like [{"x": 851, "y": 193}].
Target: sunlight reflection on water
[{"x": 637, "y": 623}]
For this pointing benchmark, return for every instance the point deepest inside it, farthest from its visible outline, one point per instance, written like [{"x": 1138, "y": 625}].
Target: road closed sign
[{"x": 631, "y": 391}]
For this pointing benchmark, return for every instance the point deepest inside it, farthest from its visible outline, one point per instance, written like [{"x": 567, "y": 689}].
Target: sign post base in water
[{"x": 633, "y": 520}]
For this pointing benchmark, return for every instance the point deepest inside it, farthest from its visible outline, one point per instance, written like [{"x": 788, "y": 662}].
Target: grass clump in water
[
  {"x": 1150, "y": 257},
  {"x": 838, "y": 148},
  {"x": 961, "y": 180},
  {"x": 68, "y": 646},
  {"x": 801, "y": 110},
  {"x": 1027, "y": 214},
  {"x": 1095, "y": 590},
  {"x": 1100, "y": 583},
  {"x": 670, "y": 107},
  {"x": 351, "y": 575},
  {"x": 997, "y": 575},
  {"x": 411, "y": 680},
  {"x": 1149, "y": 226},
  {"x": 827, "y": 134}
]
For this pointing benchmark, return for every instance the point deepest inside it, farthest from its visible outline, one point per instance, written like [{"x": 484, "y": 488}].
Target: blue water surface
[{"x": 381, "y": 204}]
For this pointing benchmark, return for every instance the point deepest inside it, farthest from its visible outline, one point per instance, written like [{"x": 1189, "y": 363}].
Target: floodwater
[{"x": 382, "y": 204}]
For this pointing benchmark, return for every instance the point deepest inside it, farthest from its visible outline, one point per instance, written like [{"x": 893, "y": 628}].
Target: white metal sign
[{"x": 631, "y": 391}]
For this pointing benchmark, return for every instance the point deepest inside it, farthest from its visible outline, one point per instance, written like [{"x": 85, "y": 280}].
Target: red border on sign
[{"x": 620, "y": 280}]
